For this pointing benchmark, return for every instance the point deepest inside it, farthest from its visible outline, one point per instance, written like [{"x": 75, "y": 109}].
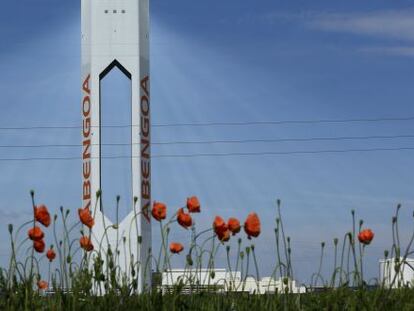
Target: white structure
[
  {"x": 220, "y": 280},
  {"x": 390, "y": 277},
  {"x": 115, "y": 33}
]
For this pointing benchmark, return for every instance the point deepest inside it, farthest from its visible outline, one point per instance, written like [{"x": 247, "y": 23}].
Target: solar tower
[{"x": 115, "y": 34}]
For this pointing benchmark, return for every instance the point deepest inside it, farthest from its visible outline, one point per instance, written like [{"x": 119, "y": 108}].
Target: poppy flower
[
  {"x": 193, "y": 205},
  {"x": 42, "y": 285},
  {"x": 35, "y": 234},
  {"x": 219, "y": 225},
  {"x": 39, "y": 246},
  {"x": 252, "y": 225},
  {"x": 86, "y": 218},
  {"x": 224, "y": 236},
  {"x": 50, "y": 254},
  {"x": 176, "y": 248},
  {"x": 365, "y": 236},
  {"x": 159, "y": 211},
  {"x": 184, "y": 219},
  {"x": 234, "y": 225},
  {"x": 86, "y": 243},
  {"x": 42, "y": 215}
]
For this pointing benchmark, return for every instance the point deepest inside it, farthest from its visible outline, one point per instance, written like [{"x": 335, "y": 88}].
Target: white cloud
[
  {"x": 385, "y": 24},
  {"x": 390, "y": 50}
]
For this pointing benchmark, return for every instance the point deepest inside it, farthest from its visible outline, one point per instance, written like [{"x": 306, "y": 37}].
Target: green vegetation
[{"x": 81, "y": 276}]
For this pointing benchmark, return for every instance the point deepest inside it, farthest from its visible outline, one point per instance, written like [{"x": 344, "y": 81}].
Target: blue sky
[{"x": 231, "y": 61}]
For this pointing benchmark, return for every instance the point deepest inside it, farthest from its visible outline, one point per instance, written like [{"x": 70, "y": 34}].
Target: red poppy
[
  {"x": 50, "y": 254},
  {"x": 35, "y": 234},
  {"x": 86, "y": 243},
  {"x": 365, "y": 236},
  {"x": 224, "y": 236},
  {"x": 42, "y": 215},
  {"x": 176, "y": 248},
  {"x": 184, "y": 219},
  {"x": 39, "y": 246},
  {"x": 252, "y": 225},
  {"x": 193, "y": 205},
  {"x": 234, "y": 225},
  {"x": 159, "y": 211},
  {"x": 219, "y": 225},
  {"x": 42, "y": 285},
  {"x": 86, "y": 218}
]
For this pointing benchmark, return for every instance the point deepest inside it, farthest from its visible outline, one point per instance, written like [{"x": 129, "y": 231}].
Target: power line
[
  {"x": 243, "y": 123},
  {"x": 230, "y": 154},
  {"x": 207, "y": 142}
]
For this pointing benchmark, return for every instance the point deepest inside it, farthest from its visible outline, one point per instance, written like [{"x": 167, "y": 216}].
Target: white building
[
  {"x": 220, "y": 280},
  {"x": 402, "y": 276}
]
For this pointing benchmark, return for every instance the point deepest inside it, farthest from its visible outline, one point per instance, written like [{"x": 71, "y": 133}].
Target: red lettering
[
  {"x": 86, "y": 127},
  {"x": 86, "y": 150},
  {"x": 145, "y": 86},
  {"x": 86, "y": 190},
  {"x": 86, "y": 106},
  {"x": 85, "y": 85},
  {"x": 86, "y": 169},
  {"x": 145, "y": 127},
  {"x": 145, "y": 169}
]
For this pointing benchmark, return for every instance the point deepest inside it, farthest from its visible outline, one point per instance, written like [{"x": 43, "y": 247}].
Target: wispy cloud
[
  {"x": 385, "y": 24},
  {"x": 394, "y": 28},
  {"x": 390, "y": 50}
]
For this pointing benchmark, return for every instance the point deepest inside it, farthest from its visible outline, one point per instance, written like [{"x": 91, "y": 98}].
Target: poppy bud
[
  {"x": 159, "y": 211},
  {"x": 135, "y": 199},
  {"x": 39, "y": 246},
  {"x": 176, "y": 248},
  {"x": 42, "y": 215},
  {"x": 51, "y": 255},
  {"x": 86, "y": 243},
  {"x": 10, "y": 228},
  {"x": 184, "y": 219},
  {"x": 252, "y": 225},
  {"x": 386, "y": 253},
  {"x": 193, "y": 205},
  {"x": 189, "y": 260},
  {"x": 98, "y": 193},
  {"x": 365, "y": 236},
  {"x": 42, "y": 285},
  {"x": 234, "y": 225},
  {"x": 35, "y": 234},
  {"x": 85, "y": 217},
  {"x": 139, "y": 239}
]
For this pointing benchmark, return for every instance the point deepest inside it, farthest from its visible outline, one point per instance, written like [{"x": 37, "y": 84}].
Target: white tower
[{"x": 115, "y": 33}]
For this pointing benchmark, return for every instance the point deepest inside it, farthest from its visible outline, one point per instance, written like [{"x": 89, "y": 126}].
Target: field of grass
[{"x": 75, "y": 274}]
